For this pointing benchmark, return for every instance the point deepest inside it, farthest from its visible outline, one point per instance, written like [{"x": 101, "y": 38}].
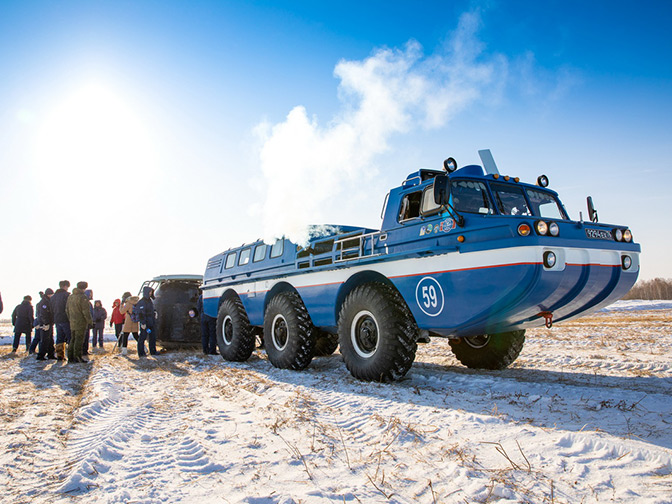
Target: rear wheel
[
  {"x": 288, "y": 332},
  {"x": 377, "y": 333},
  {"x": 234, "y": 334},
  {"x": 489, "y": 351}
]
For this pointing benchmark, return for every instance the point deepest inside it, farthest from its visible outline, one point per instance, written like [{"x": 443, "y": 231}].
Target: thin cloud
[{"x": 308, "y": 168}]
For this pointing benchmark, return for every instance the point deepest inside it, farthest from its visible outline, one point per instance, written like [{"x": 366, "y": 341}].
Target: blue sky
[{"x": 179, "y": 111}]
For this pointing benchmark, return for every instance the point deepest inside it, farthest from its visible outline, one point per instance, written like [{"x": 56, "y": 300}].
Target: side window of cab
[
  {"x": 410, "y": 206},
  {"x": 429, "y": 206}
]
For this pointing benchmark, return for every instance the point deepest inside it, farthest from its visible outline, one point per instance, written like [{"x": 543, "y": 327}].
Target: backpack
[{"x": 135, "y": 314}]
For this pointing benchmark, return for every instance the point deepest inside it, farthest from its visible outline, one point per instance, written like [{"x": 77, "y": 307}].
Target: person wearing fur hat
[
  {"x": 78, "y": 310},
  {"x": 61, "y": 322},
  {"x": 45, "y": 320},
  {"x": 129, "y": 326}
]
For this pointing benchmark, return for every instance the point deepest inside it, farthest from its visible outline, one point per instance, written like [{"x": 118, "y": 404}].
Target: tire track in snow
[{"x": 126, "y": 432}]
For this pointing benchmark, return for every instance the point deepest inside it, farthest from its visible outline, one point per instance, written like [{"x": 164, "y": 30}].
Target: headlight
[
  {"x": 618, "y": 234},
  {"x": 627, "y": 235},
  {"x": 626, "y": 262},
  {"x": 554, "y": 229},
  {"x": 549, "y": 259},
  {"x": 542, "y": 227},
  {"x": 524, "y": 229}
]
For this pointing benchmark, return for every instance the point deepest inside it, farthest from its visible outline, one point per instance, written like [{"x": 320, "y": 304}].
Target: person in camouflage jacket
[{"x": 78, "y": 310}]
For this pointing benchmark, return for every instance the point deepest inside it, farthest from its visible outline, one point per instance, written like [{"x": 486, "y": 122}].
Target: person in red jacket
[{"x": 117, "y": 319}]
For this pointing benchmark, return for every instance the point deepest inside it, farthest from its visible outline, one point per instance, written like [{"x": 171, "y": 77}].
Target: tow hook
[{"x": 548, "y": 318}]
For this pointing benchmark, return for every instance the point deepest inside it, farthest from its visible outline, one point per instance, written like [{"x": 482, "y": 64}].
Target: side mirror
[
  {"x": 441, "y": 190},
  {"x": 592, "y": 213}
]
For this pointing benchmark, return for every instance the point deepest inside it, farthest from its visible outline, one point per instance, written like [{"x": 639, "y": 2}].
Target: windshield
[
  {"x": 471, "y": 196},
  {"x": 545, "y": 205},
  {"x": 510, "y": 199}
]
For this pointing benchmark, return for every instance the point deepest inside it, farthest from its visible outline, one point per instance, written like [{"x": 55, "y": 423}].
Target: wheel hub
[
  {"x": 364, "y": 334},
  {"x": 227, "y": 330},
  {"x": 280, "y": 333},
  {"x": 479, "y": 341}
]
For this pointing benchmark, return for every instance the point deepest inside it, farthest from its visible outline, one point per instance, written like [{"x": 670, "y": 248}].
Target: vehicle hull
[{"x": 458, "y": 293}]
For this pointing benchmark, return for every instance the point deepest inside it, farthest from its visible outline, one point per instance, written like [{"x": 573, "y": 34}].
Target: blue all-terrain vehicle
[{"x": 466, "y": 254}]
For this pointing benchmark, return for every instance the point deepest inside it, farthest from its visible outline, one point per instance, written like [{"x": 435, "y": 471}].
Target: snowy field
[{"x": 583, "y": 416}]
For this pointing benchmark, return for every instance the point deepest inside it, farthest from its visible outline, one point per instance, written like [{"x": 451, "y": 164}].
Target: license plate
[{"x": 598, "y": 234}]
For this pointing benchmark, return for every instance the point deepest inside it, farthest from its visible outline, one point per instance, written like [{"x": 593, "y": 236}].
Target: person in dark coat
[
  {"x": 22, "y": 320},
  {"x": 45, "y": 320},
  {"x": 88, "y": 294},
  {"x": 78, "y": 310},
  {"x": 99, "y": 317},
  {"x": 144, "y": 310},
  {"x": 208, "y": 330},
  {"x": 38, "y": 332},
  {"x": 61, "y": 322}
]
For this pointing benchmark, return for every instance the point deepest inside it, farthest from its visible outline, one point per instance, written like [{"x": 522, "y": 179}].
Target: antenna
[{"x": 488, "y": 162}]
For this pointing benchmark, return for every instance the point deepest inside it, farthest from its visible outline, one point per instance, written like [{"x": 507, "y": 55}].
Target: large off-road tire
[
  {"x": 325, "y": 344},
  {"x": 289, "y": 335},
  {"x": 235, "y": 338},
  {"x": 489, "y": 351},
  {"x": 377, "y": 333}
]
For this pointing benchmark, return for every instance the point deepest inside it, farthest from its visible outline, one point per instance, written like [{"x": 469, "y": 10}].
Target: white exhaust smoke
[{"x": 310, "y": 169}]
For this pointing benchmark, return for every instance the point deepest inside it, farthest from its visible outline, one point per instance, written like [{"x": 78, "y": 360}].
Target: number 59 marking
[{"x": 429, "y": 296}]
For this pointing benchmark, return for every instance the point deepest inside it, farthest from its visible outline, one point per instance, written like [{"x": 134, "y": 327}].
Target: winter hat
[
  {"x": 27, "y": 298},
  {"x": 82, "y": 285},
  {"x": 117, "y": 302},
  {"x": 125, "y": 296},
  {"x": 64, "y": 284},
  {"x": 48, "y": 292},
  {"x": 88, "y": 293}
]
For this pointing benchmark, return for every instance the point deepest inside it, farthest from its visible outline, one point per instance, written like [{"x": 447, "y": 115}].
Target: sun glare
[{"x": 93, "y": 137}]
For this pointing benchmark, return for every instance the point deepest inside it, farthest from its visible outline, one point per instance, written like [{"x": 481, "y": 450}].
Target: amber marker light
[
  {"x": 506, "y": 177},
  {"x": 517, "y": 179},
  {"x": 460, "y": 239},
  {"x": 524, "y": 229},
  {"x": 495, "y": 176}
]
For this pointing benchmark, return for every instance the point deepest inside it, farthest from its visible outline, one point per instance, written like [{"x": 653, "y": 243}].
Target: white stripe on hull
[{"x": 449, "y": 262}]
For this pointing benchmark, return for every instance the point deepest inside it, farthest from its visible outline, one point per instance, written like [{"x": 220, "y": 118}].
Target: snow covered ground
[{"x": 584, "y": 415}]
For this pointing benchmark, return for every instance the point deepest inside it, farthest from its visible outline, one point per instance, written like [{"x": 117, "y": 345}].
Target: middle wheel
[
  {"x": 289, "y": 336},
  {"x": 377, "y": 333}
]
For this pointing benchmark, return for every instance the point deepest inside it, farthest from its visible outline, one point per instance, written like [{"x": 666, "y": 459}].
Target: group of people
[{"x": 72, "y": 317}]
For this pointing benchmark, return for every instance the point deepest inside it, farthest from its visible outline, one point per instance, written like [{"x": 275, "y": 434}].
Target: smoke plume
[{"x": 309, "y": 168}]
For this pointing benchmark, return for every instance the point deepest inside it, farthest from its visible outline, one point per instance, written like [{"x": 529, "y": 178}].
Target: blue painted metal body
[{"x": 482, "y": 277}]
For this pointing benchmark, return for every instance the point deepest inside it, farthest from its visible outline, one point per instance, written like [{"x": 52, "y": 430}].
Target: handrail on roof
[{"x": 355, "y": 252}]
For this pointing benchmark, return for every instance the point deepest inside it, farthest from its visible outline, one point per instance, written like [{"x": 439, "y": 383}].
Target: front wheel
[
  {"x": 377, "y": 333},
  {"x": 288, "y": 332},
  {"x": 488, "y": 351},
  {"x": 234, "y": 333}
]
